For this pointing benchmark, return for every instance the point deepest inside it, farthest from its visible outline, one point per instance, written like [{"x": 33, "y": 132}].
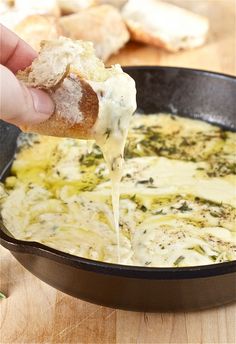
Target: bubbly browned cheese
[{"x": 178, "y": 201}]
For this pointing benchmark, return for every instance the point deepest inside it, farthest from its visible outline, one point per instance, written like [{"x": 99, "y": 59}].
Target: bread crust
[
  {"x": 59, "y": 124},
  {"x": 140, "y": 35},
  {"x": 84, "y": 91}
]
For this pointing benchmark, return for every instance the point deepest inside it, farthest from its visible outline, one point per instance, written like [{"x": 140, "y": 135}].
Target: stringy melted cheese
[
  {"x": 178, "y": 195},
  {"x": 117, "y": 103}
]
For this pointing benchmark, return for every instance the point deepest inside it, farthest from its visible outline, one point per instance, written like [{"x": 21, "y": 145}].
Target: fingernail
[{"x": 42, "y": 101}]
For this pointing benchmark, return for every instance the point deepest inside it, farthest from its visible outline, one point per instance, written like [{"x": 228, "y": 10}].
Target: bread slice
[
  {"x": 36, "y": 28},
  {"x": 164, "y": 25},
  {"x": 101, "y": 25},
  {"x": 82, "y": 88},
  {"x": 74, "y": 6}
]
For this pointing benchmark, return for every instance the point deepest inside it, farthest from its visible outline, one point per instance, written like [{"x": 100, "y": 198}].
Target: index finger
[{"x": 15, "y": 53}]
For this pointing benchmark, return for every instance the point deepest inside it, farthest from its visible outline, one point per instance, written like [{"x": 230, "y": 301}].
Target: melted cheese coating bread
[{"x": 178, "y": 199}]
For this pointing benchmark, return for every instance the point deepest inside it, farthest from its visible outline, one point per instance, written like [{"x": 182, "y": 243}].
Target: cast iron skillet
[{"x": 191, "y": 93}]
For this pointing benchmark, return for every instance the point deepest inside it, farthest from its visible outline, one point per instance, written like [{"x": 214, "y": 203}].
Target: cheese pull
[{"x": 91, "y": 102}]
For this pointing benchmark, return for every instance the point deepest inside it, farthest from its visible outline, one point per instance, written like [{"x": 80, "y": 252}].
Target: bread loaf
[
  {"x": 36, "y": 28},
  {"x": 164, "y": 25},
  {"x": 74, "y": 6},
  {"x": 49, "y": 7},
  {"x": 101, "y": 25}
]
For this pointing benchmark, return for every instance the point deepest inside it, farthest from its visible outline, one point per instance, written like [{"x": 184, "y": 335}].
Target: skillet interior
[{"x": 190, "y": 93}]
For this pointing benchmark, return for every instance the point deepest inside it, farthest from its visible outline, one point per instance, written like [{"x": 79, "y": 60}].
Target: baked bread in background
[
  {"x": 102, "y": 25},
  {"x": 164, "y": 25},
  {"x": 74, "y": 6},
  {"x": 11, "y": 17},
  {"x": 115, "y": 3},
  {"x": 37, "y": 6},
  {"x": 35, "y": 28},
  {"x": 32, "y": 20},
  {"x": 108, "y": 24}
]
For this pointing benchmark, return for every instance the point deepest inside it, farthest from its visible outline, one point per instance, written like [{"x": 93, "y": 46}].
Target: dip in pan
[{"x": 191, "y": 284}]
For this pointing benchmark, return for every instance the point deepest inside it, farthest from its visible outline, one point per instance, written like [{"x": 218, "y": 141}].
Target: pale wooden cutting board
[{"x": 36, "y": 313}]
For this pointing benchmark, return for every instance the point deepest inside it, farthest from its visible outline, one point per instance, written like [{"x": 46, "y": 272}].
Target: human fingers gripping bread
[{"x": 84, "y": 91}]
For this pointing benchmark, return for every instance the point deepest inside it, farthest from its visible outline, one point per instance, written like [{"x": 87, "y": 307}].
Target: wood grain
[{"x": 36, "y": 313}]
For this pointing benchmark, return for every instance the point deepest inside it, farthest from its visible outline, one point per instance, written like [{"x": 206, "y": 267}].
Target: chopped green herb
[
  {"x": 143, "y": 208},
  {"x": 107, "y": 133},
  {"x": 223, "y": 135},
  {"x": 2, "y": 296},
  {"x": 184, "y": 207},
  {"x": 159, "y": 212},
  {"x": 146, "y": 181},
  {"x": 199, "y": 249},
  {"x": 214, "y": 214},
  {"x": 140, "y": 127},
  {"x": 147, "y": 263},
  {"x": 119, "y": 124},
  {"x": 133, "y": 198},
  {"x": 179, "y": 260}
]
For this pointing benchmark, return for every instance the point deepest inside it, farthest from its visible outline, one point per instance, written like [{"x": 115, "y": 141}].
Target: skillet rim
[
  {"x": 41, "y": 250},
  {"x": 193, "y": 70}
]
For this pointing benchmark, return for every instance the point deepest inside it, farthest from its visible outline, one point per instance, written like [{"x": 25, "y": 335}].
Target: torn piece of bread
[
  {"x": 35, "y": 28},
  {"x": 101, "y": 25},
  {"x": 164, "y": 25},
  {"x": 84, "y": 91},
  {"x": 74, "y": 6}
]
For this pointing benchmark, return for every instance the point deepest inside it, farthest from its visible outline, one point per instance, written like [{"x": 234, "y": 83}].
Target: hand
[{"x": 19, "y": 105}]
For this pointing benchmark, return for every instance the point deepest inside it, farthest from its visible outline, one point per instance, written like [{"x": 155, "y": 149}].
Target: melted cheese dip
[
  {"x": 117, "y": 103},
  {"x": 178, "y": 196}
]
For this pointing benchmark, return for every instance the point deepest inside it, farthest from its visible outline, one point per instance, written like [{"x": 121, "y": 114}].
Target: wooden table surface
[{"x": 36, "y": 313}]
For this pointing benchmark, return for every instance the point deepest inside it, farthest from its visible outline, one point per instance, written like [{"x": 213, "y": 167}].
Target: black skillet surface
[{"x": 191, "y": 93}]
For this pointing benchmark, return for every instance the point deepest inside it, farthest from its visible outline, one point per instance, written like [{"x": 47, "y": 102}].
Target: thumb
[{"x": 20, "y": 105}]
